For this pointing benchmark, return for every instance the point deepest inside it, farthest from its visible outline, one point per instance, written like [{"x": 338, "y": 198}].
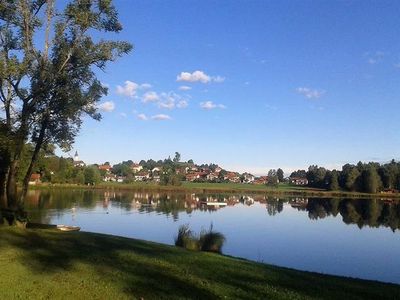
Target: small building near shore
[
  {"x": 298, "y": 181},
  {"x": 35, "y": 179}
]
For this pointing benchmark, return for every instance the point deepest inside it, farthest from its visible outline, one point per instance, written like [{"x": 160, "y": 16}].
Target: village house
[
  {"x": 105, "y": 167},
  {"x": 110, "y": 177},
  {"x": 261, "y": 180},
  {"x": 298, "y": 181},
  {"x": 155, "y": 176},
  {"x": 136, "y": 168},
  {"x": 232, "y": 177},
  {"x": 143, "y": 175},
  {"x": 193, "y": 168},
  {"x": 35, "y": 179},
  {"x": 248, "y": 178},
  {"x": 218, "y": 169},
  {"x": 192, "y": 176},
  {"x": 212, "y": 176},
  {"x": 181, "y": 170},
  {"x": 121, "y": 179}
]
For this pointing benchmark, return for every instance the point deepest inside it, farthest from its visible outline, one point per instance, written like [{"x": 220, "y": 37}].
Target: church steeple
[{"x": 76, "y": 156}]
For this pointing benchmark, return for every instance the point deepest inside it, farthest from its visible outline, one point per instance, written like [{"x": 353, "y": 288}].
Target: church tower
[{"x": 76, "y": 156}]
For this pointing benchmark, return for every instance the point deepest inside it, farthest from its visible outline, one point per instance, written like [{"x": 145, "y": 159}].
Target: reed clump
[{"x": 207, "y": 240}]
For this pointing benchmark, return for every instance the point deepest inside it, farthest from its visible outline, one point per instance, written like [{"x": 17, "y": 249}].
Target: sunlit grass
[{"x": 45, "y": 264}]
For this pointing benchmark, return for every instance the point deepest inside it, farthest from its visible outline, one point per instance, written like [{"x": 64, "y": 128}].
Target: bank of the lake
[
  {"x": 229, "y": 188},
  {"x": 76, "y": 265}
]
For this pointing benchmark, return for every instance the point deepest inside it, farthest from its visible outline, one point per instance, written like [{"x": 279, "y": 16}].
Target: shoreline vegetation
[
  {"x": 50, "y": 264},
  {"x": 228, "y": 188}
]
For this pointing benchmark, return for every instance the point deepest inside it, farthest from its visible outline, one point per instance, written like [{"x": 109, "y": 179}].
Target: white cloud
[
  {"x": 182, "y": 104},
  {"x": 142, "y": 117},
  {"x": 169, "y": 104},
  {"x": 198, "y": 76},
  {"x": 211, "y": 105},
  {"x": 150, "y": 97},
  {"x": 184, "y": 88},
  {"x": 171, "y": 100},
  {"x": 130, "y": 88},
  {"x": 194, "y": 77},
  {"x": 107, "y": 106},
  {"x": 161, "y": 117},
  {"x": 310, "y": 93},
  {"x": 123, "y": 115}
]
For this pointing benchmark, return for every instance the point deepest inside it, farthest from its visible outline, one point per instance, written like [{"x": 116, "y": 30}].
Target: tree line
[{"x": 369, "y": 177}]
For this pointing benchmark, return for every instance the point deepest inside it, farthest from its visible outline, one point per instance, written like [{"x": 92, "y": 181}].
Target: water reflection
[
  {"x": 362, "y": 212},
  {"x": 303, "y": 233}
]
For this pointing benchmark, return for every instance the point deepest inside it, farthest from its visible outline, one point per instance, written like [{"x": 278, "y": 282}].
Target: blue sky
[{"x": 272, "y": 84}]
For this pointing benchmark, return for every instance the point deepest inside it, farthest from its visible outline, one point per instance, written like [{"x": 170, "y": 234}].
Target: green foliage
[
  {"x": 123, "y": 169},
  {"x": 371, "y": 180},
  {"x": 280, "y": 175},
  {"x": 92, "y": 175},
  {"x": 333, "y": 181},
  {"x": 210, "y": 240},
  {"x": 186, "y": 239},
  {"x": 316, "y": 176},
  {"x": 49, "y": 83},
  {"x": 299, "y": 173},
  {"x": 177, "y": 157},
  {"x": 273, "y": 177}
]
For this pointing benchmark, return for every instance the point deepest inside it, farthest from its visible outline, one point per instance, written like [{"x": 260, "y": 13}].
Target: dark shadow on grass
[
  {"x": 51, "y": 252},
  {"x": 155, "y": 271}
]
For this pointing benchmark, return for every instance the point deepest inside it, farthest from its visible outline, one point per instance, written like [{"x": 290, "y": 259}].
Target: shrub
[
  {"x": 210, "y": 240},
  {"x": 186, "y": 239}
]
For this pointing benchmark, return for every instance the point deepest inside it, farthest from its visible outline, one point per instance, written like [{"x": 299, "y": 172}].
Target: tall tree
[
  {"x": 280, "y": 175},
  {"x": 46, "y": 89},
  {"x": 333, "y": 181},
  {"x": 371, "y": 182},
  {"x": 177, "y": 157},
  {"x": 272, "y": 177}
]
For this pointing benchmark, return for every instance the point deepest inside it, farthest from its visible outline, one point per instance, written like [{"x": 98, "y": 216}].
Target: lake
[{"x": 348, "y": 237}]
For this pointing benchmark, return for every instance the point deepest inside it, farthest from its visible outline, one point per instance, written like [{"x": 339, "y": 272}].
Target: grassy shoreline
[
  {"x": 228, "y": 188},
  {"x": 50, "y": 264}
]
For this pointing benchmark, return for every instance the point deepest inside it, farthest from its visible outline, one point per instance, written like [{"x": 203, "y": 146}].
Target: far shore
[{"x": 228, "y": 188}]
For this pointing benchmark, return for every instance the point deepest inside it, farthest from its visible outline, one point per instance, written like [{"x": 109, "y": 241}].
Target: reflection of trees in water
[
  {"x": 274, "y": 206},
  {"x": 363, "y": 212},
  {"x": 368, "y": 212}
]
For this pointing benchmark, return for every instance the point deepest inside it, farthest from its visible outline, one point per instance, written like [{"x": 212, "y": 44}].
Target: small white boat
[
  {"x": 68, "y": 228},
  {"x": 211, "y": 203}
]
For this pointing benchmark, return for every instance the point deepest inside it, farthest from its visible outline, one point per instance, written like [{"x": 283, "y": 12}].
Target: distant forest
[{"x": 369, "y": 177}]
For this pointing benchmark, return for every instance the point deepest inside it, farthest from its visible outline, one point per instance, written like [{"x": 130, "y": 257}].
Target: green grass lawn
[{"x": 45, "y": 264}]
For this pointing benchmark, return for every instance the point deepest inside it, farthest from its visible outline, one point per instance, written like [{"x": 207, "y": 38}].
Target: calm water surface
[{"x": 357, "y": 238}]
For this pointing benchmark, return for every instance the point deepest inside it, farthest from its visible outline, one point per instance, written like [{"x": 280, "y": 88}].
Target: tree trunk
[
  {"x": 3, "y": 180},
  {"x": 11, "y": 193},
  {"x": 38, "y": 146}
]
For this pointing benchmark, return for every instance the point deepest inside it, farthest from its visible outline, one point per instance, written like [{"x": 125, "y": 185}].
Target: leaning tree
[{"x": 49, "y": 53}]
